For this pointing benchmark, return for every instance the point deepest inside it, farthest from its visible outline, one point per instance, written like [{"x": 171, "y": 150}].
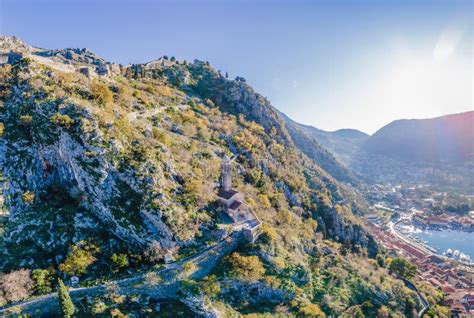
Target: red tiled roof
[
  {"x": 411, "y": 250},
  {"x": 448, "y": 289}
]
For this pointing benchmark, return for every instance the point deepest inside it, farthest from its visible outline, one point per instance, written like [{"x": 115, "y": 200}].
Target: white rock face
[{"x": 56, "y": 161}]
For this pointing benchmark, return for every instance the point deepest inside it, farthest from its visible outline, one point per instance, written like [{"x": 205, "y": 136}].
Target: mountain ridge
[
  {"x": 342, "y": 143},
  {"x": 446, "y": 133}
]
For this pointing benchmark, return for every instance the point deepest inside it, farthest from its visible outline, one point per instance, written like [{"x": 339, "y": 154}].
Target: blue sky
[{"x": 331, "y": 64}]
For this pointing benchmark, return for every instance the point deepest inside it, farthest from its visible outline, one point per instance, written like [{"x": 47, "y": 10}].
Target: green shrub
[
  {"x": 43, "y": 280},
  {"x": 62, "y": 120},
  {"x": 80, "y": 257},
  {"x": 119, "y": 261},
  {"x": 26, "y": 120},
  {"x": 28, "y": 197},
  {"x": 101, "y": 93},
  {"x": 210, "y": 286},
  {"x": 99, "y": 308},
  {"x": 402, "y": 268},
  {"x": 248, "y": 268},
  {"x": 189, "y": 268},
  {"x": 311, "y": 311}
]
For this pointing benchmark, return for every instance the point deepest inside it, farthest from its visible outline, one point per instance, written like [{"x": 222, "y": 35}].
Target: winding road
[{"x": 205, "y": 260}]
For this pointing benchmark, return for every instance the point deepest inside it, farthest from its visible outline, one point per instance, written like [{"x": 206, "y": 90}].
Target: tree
[
  {"x": 283, "y": 217},
  {"x": 248, "y": 268},
  {"x": 380, "y": 260},
  {"x": 26, "y": 120},
  {"x": 383, "y": 312},
  {"x": 210, "y": 286},
  {"x": 353, "y": 312},
  {"x": 268, "y": 234},
  {"x": 15, "y": 286},
  {"x": 65, "y": 302},
  {"x": 189, "y": 267},
  {"x": 154, "y": 252},
  {"x": 28, "y": 197},
  {"x": 80, "y": 257},
  {"x": 43, "y": 280},
  {"x": 119, "y": 261},
  {"x": 402, "y": 268},
  {"x": 311, "y": 311}
]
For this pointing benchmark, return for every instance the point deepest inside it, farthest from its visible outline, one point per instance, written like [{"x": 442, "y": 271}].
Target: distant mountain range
[
  {"x": 404, "y": 150},
  {"x": 342, "y": 143}
]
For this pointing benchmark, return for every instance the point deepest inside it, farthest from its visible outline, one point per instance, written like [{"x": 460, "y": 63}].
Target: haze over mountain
[
  {"x": 342, "y": 143},
  {"x": 437, "y": 149},
  {"x": 447, "y": 138}
]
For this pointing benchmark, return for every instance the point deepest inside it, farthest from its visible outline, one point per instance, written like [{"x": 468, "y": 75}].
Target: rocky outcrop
[
  {"x": 50, "y": 165},
  {"x": 200, "y": 306}
]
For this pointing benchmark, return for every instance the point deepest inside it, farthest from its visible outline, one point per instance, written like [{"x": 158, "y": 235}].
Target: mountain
[
  {"x": 112, "y": 171},
  {"x": 439, "y": 150},
  {"x": 442, "y": 139},
  {"x": 343, "y": 143}
]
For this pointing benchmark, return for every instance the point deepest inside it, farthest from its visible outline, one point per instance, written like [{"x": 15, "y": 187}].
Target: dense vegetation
[{"x": 108, "y": 175}]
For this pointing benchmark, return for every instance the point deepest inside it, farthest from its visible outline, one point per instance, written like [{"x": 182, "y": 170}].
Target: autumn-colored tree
[
  {"x": 268, "y": 234},
  {"x": 15, "y": 286},
  {"x": 62, "y": 120},
  {"x": 248, "y": 268},
  {"x": 311, "y": 311},
  {"x": 28, "y": 197},
  {"x": 283, "y": 217},
  {"x": 101, "y": 93},
  {"x": 80, "y": 257}
]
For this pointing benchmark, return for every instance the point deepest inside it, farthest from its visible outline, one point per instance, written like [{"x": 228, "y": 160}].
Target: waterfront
[
  {"x": 440, "y": 241},
  {"x": 443, "y": 240}
]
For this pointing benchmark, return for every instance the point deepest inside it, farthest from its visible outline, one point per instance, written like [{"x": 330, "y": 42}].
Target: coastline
[{"x": 426, "y": 248}]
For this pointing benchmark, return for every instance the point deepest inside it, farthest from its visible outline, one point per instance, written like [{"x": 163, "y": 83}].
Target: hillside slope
[{"x": 112, "y": 170}]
